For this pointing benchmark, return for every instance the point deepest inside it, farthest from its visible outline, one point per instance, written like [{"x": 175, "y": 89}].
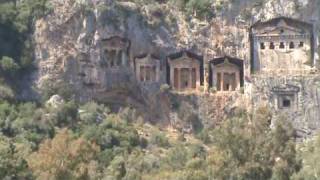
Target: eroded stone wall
[
  {"x": 208, "y": 110},
  {"x": 68, "y": 49},
  {"x": 304, "y": 110},
  {"x": 282, "y": 45}
]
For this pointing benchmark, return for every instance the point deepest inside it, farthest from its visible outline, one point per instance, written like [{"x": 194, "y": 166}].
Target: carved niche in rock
[
  {"x": 226, "y": 74},
  {"x": 115, "y": 51},
  {"x": 147, "y": 68},
  {"x": 286, "y": 97},
  {"x": 185, "y": 70},
  {"x": 282, "y": 44}
]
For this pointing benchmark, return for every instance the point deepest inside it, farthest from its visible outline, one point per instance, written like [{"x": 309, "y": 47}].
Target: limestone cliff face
[
  {"x": 304, "y": 113},
  {"x": 68, "y": 47}
]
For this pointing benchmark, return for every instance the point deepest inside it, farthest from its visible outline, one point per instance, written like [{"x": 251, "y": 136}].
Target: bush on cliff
[
  {"x": 17, "y": 20},
  {"x": 251, "y": 150}
]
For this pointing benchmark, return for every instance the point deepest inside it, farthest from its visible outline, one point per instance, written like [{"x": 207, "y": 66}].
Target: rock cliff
[{"x": 68, "y": 49}]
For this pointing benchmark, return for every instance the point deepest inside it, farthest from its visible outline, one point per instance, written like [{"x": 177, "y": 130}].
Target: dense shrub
[
  {"x": 202, "y": 9},
  {"x": 66, "y": 115},
  {"x": 96, "y": 143},
  {"x": 159, "y": 139},
  {"x": 61, "y": 88},
  {"x": 9, "y": 65},
  {"x": 16, "y": 26},
  {"x": 253, "y": 150},
  {"x": 6, "y": 92},
  {"x": 12, "y": 162},
  {"x": 309, "y": 154},
  {"x": 91, "y": 113},
  {"x": 25, "y": 121},
  {"x": 112, "y": 132},
  {"x": 65, "y": 157}
]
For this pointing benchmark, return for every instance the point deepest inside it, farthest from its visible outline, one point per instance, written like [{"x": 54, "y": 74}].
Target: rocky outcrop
[
  {"x": 68, "y": 49},
  {"x": 55, "y": 101},
  {"x": 304, "y": 110}
]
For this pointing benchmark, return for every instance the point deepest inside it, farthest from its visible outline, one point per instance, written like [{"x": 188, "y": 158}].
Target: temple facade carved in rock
[
  {"x": 282, "y": 45},
  {"x": 226, "y": 74},
  {"x": 185, "y": 69},
  {"x": 147, "y": 68},
  {"x": 115, "y": 51},
  {"x": 277, "y": 70}
]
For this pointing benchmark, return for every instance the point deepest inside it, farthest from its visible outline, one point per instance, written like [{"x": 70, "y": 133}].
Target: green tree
[
  {"x": 251, "y": 150},
  {"x": 6, "y": 92},
  {"x": 310, "y": 156},
  {"x": 8, "y": 114},
  {"x": 158, "y": 138},
  {"x": 26, "y": 121},
  {"x": 9, "y": 65},
  {"x": 112, "y": 132},
  {"x": 200, "y": 8},
  {"x": 12, "y": 162},
  {"x": 65, "y": 157},
  {"x": 17, "y": 19},
  {"x": 92, "y": 113}
]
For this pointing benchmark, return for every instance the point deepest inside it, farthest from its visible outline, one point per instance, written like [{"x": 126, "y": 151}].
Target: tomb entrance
[
  {"x": 147, "y": 68},
  {"x": 226, "y": 74},
  {"x": 115, "y": 51},
  {"x": 185, "y": 71}
]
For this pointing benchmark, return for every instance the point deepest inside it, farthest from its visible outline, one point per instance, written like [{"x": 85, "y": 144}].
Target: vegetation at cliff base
[
  {"x": 59, "y": 138},
  {"x": 66, "y": 140}
]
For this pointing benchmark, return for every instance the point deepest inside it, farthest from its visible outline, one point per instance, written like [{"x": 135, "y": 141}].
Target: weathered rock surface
[
  {"x": 55, "y": 101},
  {"x": 304, "y": 114},
  {"x": 68, "y": 49}
]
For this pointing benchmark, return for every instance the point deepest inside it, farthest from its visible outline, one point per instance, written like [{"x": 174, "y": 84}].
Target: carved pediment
[
  {"x": 147, "y": 59},
  {"x": 184, "y": 59},
  {"x": 287, "y": 25},
  {"x": 184, "y": 55},
  {"x": 282, "y": 30},
  {"x": 226, "y": 63},
  {"x": 286, "y": 89},
  {"x": 115, "y": 42}
]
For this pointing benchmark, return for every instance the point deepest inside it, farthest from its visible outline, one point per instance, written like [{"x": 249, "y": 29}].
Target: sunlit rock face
[
  {"x": 295, "y": 98},
  {"x": 92, "y": 46},
  {"x": 282, "y": 45},
  {"x": 284, "y": 73}
]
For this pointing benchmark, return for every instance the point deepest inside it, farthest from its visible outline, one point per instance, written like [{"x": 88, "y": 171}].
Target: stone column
[
  {"x": 214, "y": 77},
  {"x": 179, "y": 78},
  {"x": 116, "y": 58},
  {"x": 221, "y": 81},
  {"x": 171, "y": 76},
  {"x": 230, "y": 85},
  {"x": 152, "y": 73},
  {"x": 142, "y": 73},
  {"x": 138, "y": 72},
  {"x": 123, "y": 58},
  {"x": 145, "y": 73},
  {"x": 315, "y": 44},
  {"x": 190, "y": 78},
  {"x": 257, "y": 63},
  {"x": 157, "y": 71},
  {"x": 237, "y": 80},
  {"x": 198, "y": 77},
  {"x": 206, "y": 67},
  {"x": 276, "y": 102},
  {"x": 110, "y": 58},
  {"x": 296, "y": 100}
]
